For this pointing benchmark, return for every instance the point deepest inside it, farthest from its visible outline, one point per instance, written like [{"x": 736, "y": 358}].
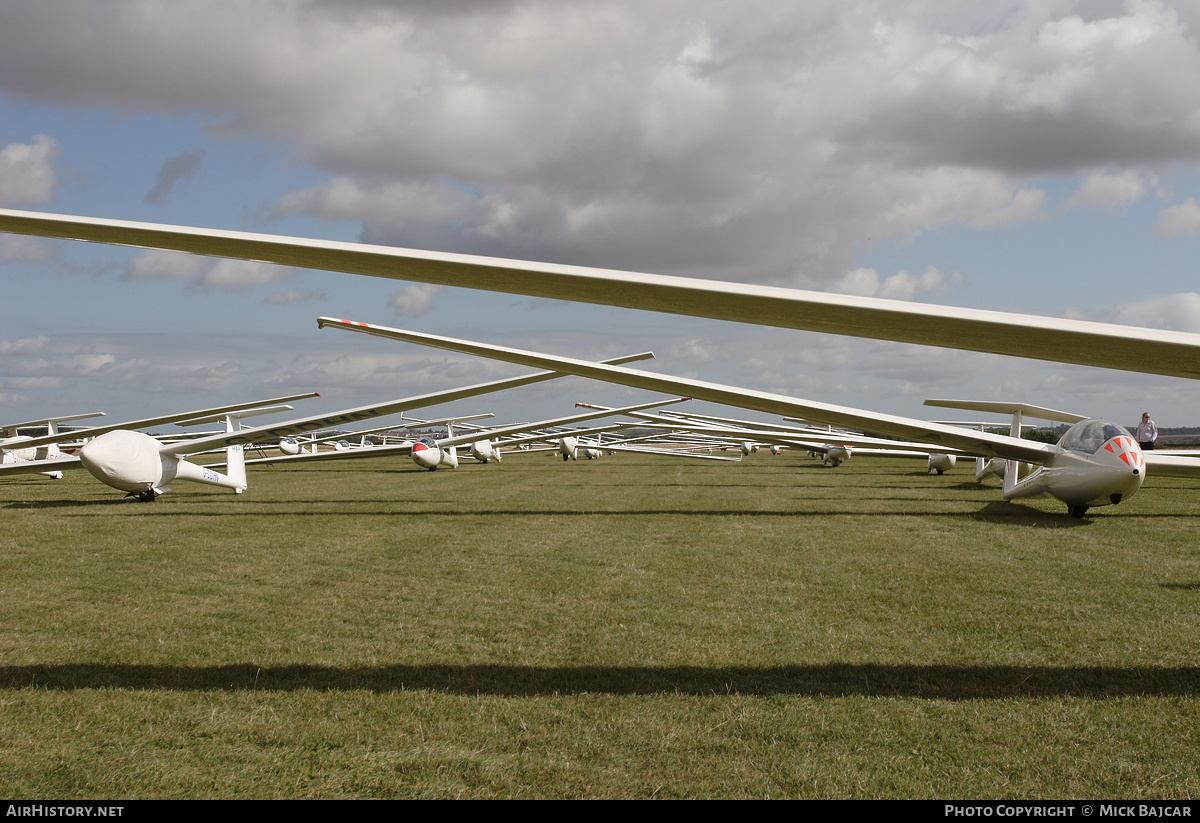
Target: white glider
[
  {"x": 138, "y": 464},
  {"x": 430, "y": 453},
  {"x": 832, "y": 447},
  {"x": 14, "y": 449},
  {"x": 342, "y": 439},
  {"x": 1096, "y": 463}
]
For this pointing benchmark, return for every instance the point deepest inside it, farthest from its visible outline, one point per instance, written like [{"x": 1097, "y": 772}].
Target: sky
[{"x": 1039, "y": 157}]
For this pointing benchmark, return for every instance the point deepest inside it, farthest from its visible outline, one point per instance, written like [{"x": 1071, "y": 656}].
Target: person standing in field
[{"x": 1147, "y": 432}]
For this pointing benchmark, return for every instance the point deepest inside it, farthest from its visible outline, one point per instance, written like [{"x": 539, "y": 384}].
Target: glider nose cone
[
  {"x": 1126, "y": 464},
  {"x": 1131, "y": 481},
  {"x": 426, "y": 455},
  {"x": 125, "y": 460}
]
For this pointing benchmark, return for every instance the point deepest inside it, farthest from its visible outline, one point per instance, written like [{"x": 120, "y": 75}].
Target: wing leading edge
[
  {"x": 972, "y": 442},
  {"x": 1086, "y": 343}
]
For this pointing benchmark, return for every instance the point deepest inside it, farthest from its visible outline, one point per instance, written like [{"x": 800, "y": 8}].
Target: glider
[
  {"x": 834, "y": 448},
  {"x": 430, "y": 453},
  {"x": 14, "y": 450},
  {"x": 140, "y": 465},
  {"x": 1096, "y": 463},
  {"x": 308, "y": 444},
  {"x": 1131, "y": 348}
]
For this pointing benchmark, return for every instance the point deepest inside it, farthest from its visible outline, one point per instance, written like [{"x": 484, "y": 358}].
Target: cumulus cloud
[
  {"x": 900, "y": 286},
  {"x": 24, "y": 249},
  {"x": 115, "y": 367},
  {"x": 1179, "y": 220},
  {"x": 11, "y": 399},
  {"x": 173, "y": 170},
  {"x": 693, "y": 351},
  {"x": 24, "y": 345},
  {"x": 35, "y": 383},
  {"x": 413, "y": 300},
  {"x": 204, "y": 272},
  {"x": 27, "y": 175},
  {"x": 1108, "y": 189},
  {"x": 237, "y": 275},
  {"x": 770, "y": 144},
  {"x": 1178, "y": 312}
]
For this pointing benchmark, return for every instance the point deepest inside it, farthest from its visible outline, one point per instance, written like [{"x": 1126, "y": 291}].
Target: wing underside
[{"x": 1044, "y": 338}]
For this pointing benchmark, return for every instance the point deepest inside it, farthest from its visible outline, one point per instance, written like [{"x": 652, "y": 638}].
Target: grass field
[{"x": 633, "y": 627}]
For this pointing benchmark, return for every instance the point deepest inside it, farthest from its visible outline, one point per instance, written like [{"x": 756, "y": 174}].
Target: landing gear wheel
[
  {"x": 147, "y": 496},
  {"x": 1076, "y": 511}
]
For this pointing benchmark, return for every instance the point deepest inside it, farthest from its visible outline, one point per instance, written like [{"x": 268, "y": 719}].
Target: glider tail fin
[{"x": 235, "y": 458}]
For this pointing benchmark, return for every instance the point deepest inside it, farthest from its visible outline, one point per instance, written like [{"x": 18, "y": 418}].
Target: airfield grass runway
[{"x": 632, "y": 627}]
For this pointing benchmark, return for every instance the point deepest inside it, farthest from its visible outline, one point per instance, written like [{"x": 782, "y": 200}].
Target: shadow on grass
[
  {"x": 67, "y": 504},
  {"x": 832, "y": 680},
  {"x": 1001, "y": 515}
]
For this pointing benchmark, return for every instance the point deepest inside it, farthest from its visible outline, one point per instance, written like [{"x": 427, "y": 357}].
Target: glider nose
[
  {"x": 426, "y": 455},
  {"x": 125, "y": 460},
  {"x": 1126, "y": 482}
]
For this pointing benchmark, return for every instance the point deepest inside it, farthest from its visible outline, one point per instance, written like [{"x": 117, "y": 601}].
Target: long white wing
[
  {"x": 1168, "y": 464},
  {"x": 617, "y": 447},
  {"x": 347, "y": 417},
  {"x": 520, "y": 428},
  {"x": 396, "y": 450},
  {"x": 1044, "y": 338},
  {"x": 972, "y": 442},
  {"x": 54, "y": 464},
  {"x": 815, "y": 440},
  {"x": 95, "y": 431},
  {"x": 473, "y": 436},
  {"x": 1009, "y": 407},
  {"x": 47, "y": 420}
]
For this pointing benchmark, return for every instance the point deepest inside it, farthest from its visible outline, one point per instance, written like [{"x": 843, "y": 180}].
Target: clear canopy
[{"x": 1089, "y": 435}]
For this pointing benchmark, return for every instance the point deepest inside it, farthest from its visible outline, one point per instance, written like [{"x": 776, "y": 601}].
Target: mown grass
[{"x": 634, "y": 627}]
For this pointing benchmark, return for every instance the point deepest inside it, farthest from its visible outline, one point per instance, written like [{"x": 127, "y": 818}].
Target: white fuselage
[
  {"x": 11, "y": 452},
  {"x": 569, "y": 448},
  {"x": 837, "y": 455},
  {"x": 940, "y": 463},
  {"x": 1096, "y": 463},
  {"x": 484, "y": 451},
  {"x": 428, "y": 455},
  {"x": 133, "y": 462}
]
